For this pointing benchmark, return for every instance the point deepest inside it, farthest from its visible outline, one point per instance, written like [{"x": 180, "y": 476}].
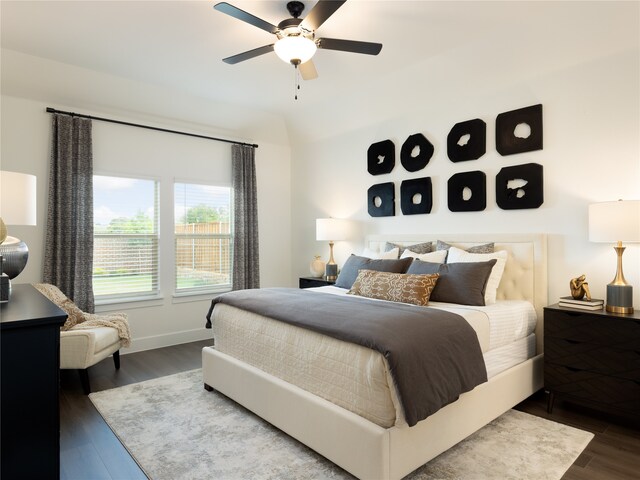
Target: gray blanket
[{"x": 433, "y": 355}]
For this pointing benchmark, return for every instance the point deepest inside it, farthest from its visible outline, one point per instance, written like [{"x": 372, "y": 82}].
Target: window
[
  {"x": 203, "y": 237},
  {"x": 125, "y": 223}
]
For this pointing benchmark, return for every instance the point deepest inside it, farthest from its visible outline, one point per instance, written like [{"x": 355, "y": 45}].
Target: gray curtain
[
  {"x": 68, "y": 255},
  {"x": 246, "y": 264}
]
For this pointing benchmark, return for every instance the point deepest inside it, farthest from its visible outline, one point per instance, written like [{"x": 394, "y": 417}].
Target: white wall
[
  {"x": 25, "y": 135},
  {"x": 591, "y": 153}
]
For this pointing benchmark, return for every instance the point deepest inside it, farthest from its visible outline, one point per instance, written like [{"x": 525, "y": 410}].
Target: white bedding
[{"x": 352, "y": 376}]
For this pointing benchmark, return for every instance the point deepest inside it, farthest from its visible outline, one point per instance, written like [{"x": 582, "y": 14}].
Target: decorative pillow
[
  {"x": 354, "y": 263},
  {"x": 395, "y": 287},
  {"x": 461, "y": 283},
  {"x": 485, "y": 248},
  {"x": 460, "y": 256},
  {"x": 392, "y": 254},
  {"x": 416, "y": 248},
  {"x": 434, "y": 257}
]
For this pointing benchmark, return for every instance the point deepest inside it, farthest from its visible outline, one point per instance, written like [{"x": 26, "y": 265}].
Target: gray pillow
[
  {"x": 420, "y": 248},
  {"x": 461, "y": 283},
  {"x": 354, "y": 264},
  {"x": 485, "y": 248}
]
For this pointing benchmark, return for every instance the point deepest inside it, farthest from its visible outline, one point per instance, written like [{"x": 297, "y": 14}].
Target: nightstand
[
  {"x": 309, "y": 282},
  {"x": 593, "y": 358}
]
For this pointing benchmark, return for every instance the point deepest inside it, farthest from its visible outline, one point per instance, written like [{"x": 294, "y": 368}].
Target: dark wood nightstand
[
  {"x": 309, "y": 282},
  {"x": 593, "y": 358}
]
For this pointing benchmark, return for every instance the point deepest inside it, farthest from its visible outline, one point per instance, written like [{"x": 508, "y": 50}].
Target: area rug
[{"x": 176, "y": 430}]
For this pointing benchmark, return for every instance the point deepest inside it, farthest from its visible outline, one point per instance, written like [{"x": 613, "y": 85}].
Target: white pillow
[
  {"x": 434, "y": 257},
  {"x": 460, "y": 256},
  {"x": 390, "y": 255}
]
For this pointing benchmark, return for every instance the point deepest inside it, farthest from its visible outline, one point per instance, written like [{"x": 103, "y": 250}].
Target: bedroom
[{"x": 579, "y": 60}]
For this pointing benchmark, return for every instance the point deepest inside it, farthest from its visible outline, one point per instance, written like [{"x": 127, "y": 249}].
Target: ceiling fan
[{"x": 296, "y": 42}]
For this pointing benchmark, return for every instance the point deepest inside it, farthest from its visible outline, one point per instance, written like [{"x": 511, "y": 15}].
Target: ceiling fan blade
[
  {"x": 354, "y": 46},
  {"x": 320, "y": 13},
  {"x": 308, "y": 70},
  {"x": 241, "y": 57},
  {"x": 235, "y": 12}
]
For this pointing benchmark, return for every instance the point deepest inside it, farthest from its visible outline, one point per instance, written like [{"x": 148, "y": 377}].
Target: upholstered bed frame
[{"x": 363, "y": 448}]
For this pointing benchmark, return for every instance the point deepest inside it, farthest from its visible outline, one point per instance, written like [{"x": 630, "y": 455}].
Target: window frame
[
  {"x": 153, "y": 296},
  {"x": 183, "y": 293}
]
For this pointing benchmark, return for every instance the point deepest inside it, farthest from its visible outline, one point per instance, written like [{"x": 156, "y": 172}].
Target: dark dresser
[
  {"x": 593, "y": 358},
  {"x": 30, "y": 360},
  {"x": 310, "y": 282}
]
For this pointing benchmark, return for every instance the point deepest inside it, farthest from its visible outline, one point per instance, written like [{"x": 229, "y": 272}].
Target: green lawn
[{"x": 124, "y": 284}]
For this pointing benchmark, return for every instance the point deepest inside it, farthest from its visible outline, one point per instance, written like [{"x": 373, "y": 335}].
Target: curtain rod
[{"x": 53, "y": 110}]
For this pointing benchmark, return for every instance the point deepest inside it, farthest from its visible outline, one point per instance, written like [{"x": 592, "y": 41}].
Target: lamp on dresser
[
  {"x": 616, "y": 222},
  {"x": 331, "y": 230},
  {"x": 17, "y": 207}
]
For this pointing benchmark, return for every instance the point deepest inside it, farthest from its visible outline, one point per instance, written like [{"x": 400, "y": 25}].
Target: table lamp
[
  {"x": 616, "y": 222},
  {"x": 333, "y": 230},
  {"x": 17, "y": 207}
]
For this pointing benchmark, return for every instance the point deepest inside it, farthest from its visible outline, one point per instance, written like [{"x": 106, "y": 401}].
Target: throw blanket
[
  {"x": 433, "y": 355},
  {"x": 79, "y": 320}
]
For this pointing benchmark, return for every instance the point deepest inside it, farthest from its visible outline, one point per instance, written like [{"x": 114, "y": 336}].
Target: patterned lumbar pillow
[
  {"x": 420, "y": 248},
  {"x": 395, "y": 287}
]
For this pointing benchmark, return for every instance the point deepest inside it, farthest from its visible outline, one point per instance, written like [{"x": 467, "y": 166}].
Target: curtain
[
  {"x": 68, "y": 256},
  {"x": 246, "y": 265}
]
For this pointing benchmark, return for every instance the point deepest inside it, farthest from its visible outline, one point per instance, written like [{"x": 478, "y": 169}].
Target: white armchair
[
  {"x": 86, "y": 338},
  {"x": 80, "y": 349}
]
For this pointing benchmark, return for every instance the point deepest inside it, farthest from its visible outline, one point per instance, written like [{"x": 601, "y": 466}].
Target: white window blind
[
  {"x": 125, "y": 256},
  {"x": 202, "y": 237}
]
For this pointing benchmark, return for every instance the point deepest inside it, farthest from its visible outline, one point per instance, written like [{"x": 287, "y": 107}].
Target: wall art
[
  {"x": 467, "y": 192},
  {"x": 416, "y": 152},
  {"x": 467, "y": 140},
  {"x": 520, "y": 186},
  {"x": 381, "y": 200},
  {"x": 381, "y": 157},
  {"x": 416, "y": 196},
  {"x": 519, "y": 130}
]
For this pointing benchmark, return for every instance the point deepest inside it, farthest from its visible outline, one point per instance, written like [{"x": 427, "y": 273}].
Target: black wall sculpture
[
  {"x": 410, "y": 189},
  {"x": 381, "y": 157},
  {"x": 411, "y": 163},
  {"x": 385, "y": 192},
  {"x": 475, "y": 181},
  {"x": 474, "y": 148},
  {"x": 506, "y": 141},
  {"x": 520, "y": 186}
]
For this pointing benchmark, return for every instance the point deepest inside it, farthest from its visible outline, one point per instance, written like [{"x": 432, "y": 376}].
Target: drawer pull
[
  {"x": 573, "y": 369},
  {"x": 573, "y": 342}
]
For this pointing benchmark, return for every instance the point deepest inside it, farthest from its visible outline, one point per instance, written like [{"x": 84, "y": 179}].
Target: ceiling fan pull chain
[{"x": 296, "y": 86}]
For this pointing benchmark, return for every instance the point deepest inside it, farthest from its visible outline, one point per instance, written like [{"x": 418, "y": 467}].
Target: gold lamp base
[{"x": 619, "y": 292}]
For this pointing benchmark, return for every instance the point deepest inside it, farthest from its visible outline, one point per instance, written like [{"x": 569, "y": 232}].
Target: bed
[{"x": 382, "y": 446}]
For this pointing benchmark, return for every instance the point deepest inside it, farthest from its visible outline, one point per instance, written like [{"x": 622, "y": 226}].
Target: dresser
[
  {"x": 310, "y": 282},
  {"x": 30, "y": 377},
  {"x": 593, "y": 358}
]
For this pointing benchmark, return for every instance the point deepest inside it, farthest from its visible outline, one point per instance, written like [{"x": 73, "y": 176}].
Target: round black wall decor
[
  {"x": 520, "y": 186},
  {"x": 474, "y": 147},
  {"x": 476, "y": 183},
  {"x": 381, "y": 157},
  {"x": 423, "y": 152},
  {"x": 416, "y": 196},
  {"x": 510, "y": 141},
  {"x": 381, "y": 200}
]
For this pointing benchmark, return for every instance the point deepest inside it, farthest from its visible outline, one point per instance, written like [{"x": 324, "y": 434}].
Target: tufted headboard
[{"x": 525, "y": 273}]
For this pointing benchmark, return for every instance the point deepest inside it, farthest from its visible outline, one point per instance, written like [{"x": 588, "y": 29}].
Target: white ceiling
[{"x": 180, "y": 44}]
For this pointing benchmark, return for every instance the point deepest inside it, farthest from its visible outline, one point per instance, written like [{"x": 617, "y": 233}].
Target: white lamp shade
[
  {"x": 295, "y": 48},
  {"x": 612, "y": 222},
  {"x": 332, "y": 229},
  {"x": 17, "y": 198}
]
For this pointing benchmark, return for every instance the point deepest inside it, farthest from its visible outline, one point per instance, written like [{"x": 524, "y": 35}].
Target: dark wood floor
[{"x": 89, "y": 449}]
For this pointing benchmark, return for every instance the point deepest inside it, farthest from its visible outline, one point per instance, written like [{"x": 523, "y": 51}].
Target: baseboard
[{"x": 167, "y": 340}]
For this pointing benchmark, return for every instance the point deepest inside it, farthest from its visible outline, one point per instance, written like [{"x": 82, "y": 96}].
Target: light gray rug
[{"x": 177, "y": 430}]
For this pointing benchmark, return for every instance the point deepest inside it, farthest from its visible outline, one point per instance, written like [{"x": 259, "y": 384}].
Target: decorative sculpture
[
  {"x": 381, "y": 157},
  {"x": 475, "y": 145},
  {"x": 416, "y": 196},
  {"x": 509, "y": 140},
  {"x": 381, "y": 200},
  {"x": 580, "y": 288},
  {"x": 476, "y": 183},
  {"x": 520, "y": 186},
  {"x": 416, "y": 152}
]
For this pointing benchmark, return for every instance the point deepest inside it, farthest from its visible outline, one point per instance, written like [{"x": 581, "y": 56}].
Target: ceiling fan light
[{"x": 295, "y": 49}]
